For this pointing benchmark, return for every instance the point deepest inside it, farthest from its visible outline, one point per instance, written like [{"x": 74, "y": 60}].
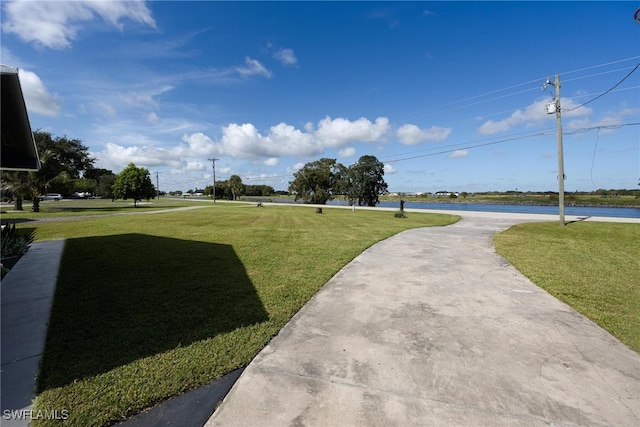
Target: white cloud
[
  {"x": 459, "y": 154},
  {"x": 253, "y": 67},
  {"x": 9, "y": 59},
  {"x": 36, "y": 96},
  {"x": 609, "y": 121},
  {"x": 389, "y": 169},
  {"x": 243, "y": 141},
  {"x": 144, "y": 98},
  {"x": 195, "y": 166},
  {"x": 340, "y": 132},
  {"x": 102, "y": 108},
  {"x": 534, "y": 114},
  {"x": 285, "y": 140},
  {"x": 54, "y": 24},
  {"x": 198, "y": 145},
  {"x": 153, "y": 117},
  {"x": 347, "y": 152},
  {"x": 286, "y": 56},
  {"x": 117, "y": 157},
  {"x": 411, "y": 134},
  {"x": 296, "y": 167},
  {"x": 246, "y": 141}
]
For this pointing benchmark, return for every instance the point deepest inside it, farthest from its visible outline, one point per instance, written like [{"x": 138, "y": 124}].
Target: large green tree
[
  {"x": 62, "y": 160},
  {"x": 104, "y": 179},
  {"x": 365, "y": 181},
  {"x": 317, "y": 182},
  {"x": 133, "y": 183}
]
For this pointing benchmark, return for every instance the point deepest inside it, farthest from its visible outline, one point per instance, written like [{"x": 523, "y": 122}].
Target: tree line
[{"x": 67, "y": 168}]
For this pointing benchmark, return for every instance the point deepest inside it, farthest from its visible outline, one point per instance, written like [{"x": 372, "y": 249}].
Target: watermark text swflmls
[{"x": 29, "y": 414}]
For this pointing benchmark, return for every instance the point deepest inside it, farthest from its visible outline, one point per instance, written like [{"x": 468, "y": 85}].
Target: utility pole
[
  {"x": 213, "y": 162},
  {"x": 157, "y": 186},
  {"x": 561, "y": 176}
]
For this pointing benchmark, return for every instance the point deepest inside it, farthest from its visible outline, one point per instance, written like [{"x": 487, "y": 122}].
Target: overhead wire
[
  {"x": 439, "y": 107},
  {"x": 463, "y": 146},
  {"x": 509, "y": 139},
  {"x": 536, "y": 80},
  {"x": 468, "y": 147},
  {"x": 607, "y": 91}
]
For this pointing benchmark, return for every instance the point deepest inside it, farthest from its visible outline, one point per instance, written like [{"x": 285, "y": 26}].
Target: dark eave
[{"x": 18, "y": 146}]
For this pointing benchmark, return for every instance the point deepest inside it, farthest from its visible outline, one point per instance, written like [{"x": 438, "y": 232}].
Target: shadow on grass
[
  {"x": 15, "y": 221},
  {"x": 124, "y": 297},
  {"x": 120, "y": 207}
]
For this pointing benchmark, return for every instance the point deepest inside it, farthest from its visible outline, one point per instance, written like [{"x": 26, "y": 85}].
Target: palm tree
[{"x": 17, "y": 184}]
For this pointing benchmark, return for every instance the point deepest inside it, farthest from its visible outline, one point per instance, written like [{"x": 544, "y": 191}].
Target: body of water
[
  {"x": 551, "y": 210},
  {"x": 481, "y": 207}
]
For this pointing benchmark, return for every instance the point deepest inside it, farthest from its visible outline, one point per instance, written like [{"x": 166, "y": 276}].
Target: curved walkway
[{"x": 432, "y": 327}]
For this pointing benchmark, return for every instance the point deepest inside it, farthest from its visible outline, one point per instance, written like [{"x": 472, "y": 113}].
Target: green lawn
[
  {"x": 75, "y": 207},
  {"x": 593, "y": 267},
  {"x": 150, "y": 306}
]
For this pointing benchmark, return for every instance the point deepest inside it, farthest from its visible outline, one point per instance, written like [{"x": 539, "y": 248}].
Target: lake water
[{"x": 478, "y": 207}]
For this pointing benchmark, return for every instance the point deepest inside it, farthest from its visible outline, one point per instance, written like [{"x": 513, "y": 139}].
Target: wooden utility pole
[
  {"x": 560, "y": 152},
  {"x": 157, "y": 186},
  {"x": 555, "y": 105},
  {"x": 213, "y": 162}
]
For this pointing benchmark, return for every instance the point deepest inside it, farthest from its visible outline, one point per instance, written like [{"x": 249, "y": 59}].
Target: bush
[
  {"x": 14, "y": 243},
  {"x": 400, "y": 214}
]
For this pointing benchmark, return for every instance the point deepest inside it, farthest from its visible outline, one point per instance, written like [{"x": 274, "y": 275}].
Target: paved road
[{"x": 431, "y": 327}]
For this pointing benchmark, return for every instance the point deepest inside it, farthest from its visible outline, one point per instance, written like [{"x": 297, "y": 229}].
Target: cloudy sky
[{"x": 447, "y": 94}]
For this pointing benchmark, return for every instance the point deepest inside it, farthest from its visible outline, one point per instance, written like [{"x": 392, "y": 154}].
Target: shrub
[
  {"x": 400, "y": 214},
  {"x": 15, "y": 243}
]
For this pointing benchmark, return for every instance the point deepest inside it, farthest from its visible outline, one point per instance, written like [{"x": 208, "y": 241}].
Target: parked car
[
  {"x": 81, "y": 195},
  {"x": 51, "y": 196}
]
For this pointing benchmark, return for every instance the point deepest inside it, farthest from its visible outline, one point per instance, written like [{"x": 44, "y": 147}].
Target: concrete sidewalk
[
  {"x": 432, "y": 327},
  {"x": 26, "y": 295}
]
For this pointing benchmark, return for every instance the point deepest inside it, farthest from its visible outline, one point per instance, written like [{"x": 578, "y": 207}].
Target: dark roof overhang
[{"x": 19, "y": 150}]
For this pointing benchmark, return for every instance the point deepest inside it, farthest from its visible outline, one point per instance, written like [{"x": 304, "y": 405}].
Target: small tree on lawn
[
  {"x": 133, "y": 183},
  {"x": 236, "y": 187}
]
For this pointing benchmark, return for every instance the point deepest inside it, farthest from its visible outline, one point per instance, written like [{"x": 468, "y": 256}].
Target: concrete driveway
[{"x": 431, "y": 327}]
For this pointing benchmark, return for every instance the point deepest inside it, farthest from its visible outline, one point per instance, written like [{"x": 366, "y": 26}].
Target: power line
[
  {"x": 607, "y": 91},
  {"x": 515, "y": 138},
  {"x": 598, "y": 74},
  {"x": 468, "y": 147},
  {"x": 457, "y": 146},
  {"x": 601, "y": 65},
  {"x": 601, "y": 126},
  {"x": 441, "y": 106}
]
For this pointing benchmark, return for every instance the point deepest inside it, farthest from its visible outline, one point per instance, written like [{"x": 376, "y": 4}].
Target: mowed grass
[
  {"x": 150, "y": 306},
  {"x": 75, "y": 207},
  {"x": 593, "y": 267}
]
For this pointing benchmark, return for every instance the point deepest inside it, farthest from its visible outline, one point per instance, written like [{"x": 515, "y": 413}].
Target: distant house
[
  {"x": 19, "y": 150},
  {"x": 446, "y": 194}
]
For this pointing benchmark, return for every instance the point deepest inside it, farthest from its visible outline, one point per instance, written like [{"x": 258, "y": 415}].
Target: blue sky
[{"x": 447, "y": 94}]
